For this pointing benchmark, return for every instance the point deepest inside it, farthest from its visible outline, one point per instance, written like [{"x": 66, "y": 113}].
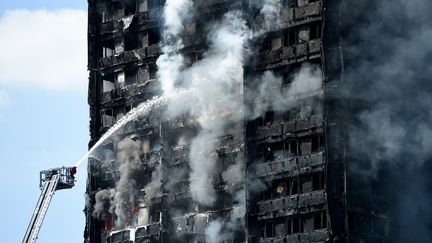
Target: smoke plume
[
  {"x": 388, "y": 51},
  {"x": 128, "y": 155},
  {"x": 171, "y": 62},
  {"x": 103, "y": 203}
]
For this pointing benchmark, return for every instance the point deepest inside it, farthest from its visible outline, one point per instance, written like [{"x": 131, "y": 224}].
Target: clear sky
[{"x": 43, "y": 113}]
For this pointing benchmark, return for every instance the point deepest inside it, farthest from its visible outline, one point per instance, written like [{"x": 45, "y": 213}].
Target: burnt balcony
[
  {"x": 194, "y": 40},
  {"x": 314, "y": 236},
  {"x": 270, "y": 133},
  {"x": 141, "y": 21},
  {"x": 278, "y": 132},
  {"x": 289, "y": 54},
  {"x": 148, "y": 233},
  {"x": 302, "y": 125},
  {"x": 130, "y": 56},
  {"x": 216, "y": 6},
  {"x": 296, "y": 16},
  {"x": 131, "y": 93},
  {"x": 180, "y": 154},
  {"x": 290, "y": 205},
  {"x": 308, "y": 11},
  {"x": 291, "y": 166}
]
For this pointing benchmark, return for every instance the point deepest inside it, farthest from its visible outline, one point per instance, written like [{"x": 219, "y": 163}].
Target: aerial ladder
[{"x": 49, "y": 182}]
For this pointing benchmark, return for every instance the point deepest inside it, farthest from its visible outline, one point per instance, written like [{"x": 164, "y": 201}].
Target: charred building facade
[{"x": 279, "y": 173}]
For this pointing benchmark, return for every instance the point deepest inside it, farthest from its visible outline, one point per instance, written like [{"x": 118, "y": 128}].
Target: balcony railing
[
  {"x": 291, "y": 166},
  {"x": 290, "y": 205},
  {"x": 290, "y": 54}
]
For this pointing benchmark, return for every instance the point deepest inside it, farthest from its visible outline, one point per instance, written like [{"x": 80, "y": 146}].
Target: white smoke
[
  {"x": 271, "y": 94},
  {"x": 220, "y": 230},
  {"x": 271, "y": 12},
  {"x": 171, "y": 62},
  {"x": 213, "y": 231},
  {"x": 154, "y": 186},
  {"x": 233, "y": 176},
  {"x": 215, "y": 100}
]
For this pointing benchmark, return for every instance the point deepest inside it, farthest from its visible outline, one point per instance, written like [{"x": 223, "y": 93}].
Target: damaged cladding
[{"x": 294, "y": 184}]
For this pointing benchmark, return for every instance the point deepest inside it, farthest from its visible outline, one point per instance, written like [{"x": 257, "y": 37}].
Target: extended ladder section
[
  {"x": 51, "y": 180},
  {"x": 41, "y": 209}
]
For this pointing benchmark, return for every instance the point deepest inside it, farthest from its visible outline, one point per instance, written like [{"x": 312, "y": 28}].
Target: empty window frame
[
  {"x": 294, "y": 187},
  {"x": 268, "y": 154},
  {"x": 267, "y": 230},
  {"x": 294, "y": 225},
  {"x": 318, "y": 181},
  {"x": 269, "y": 117},
  {"x": 320, "y": 220},
  {"x": 290, "y": 37},
  {"x": 131, "y": 42},
  {"x": 317, "y": 143},
  {"x": 292, "y": 147},
  {"x": 153, "y": 36},
  {"x": 108, "y": 48},
  {"x": 315, "y": 31},
  {"x": 155, "y": 215},
  {"x": 152, "y": 69},
  {"x": 131, "y": 77},
  {"x": 305, "y": 146}
]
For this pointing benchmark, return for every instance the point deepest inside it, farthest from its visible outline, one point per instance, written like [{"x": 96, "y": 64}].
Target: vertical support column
[{"x": 334, "y": 122}]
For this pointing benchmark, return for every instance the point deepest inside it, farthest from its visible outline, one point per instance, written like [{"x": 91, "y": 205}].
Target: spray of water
[{"x": 133, "y": 114}]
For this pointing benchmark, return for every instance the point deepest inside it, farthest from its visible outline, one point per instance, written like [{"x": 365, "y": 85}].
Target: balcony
[
  {"x": 308, "y": 11},
  {"x": 292, "y": 166},
  {"x": 141, "y": 21},
  {"x": 180, "y": 154},
  {"x": 291, "y": 17},
  {"x": 216, "y": 6},
  {"x": 314, "y": 236},
  {"x": 302, "y": 126},
  {"x": 137, "y": 92},
  {"x": 130, "y": 56},
  {"x": 148, "y": 232},
  {"x": 289, "y": 55},
  {"x": 193, "y": 40},
  {"x": 297, "y": 128},
  {"x": 270, "y": 134},
  {"x": 290, "y": 205}
]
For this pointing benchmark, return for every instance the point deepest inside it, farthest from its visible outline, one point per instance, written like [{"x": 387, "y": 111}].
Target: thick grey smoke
[
  {"x": 103, "y": 203},
  {"x": 388, "y": 53},
  {"x": 234, "y": 175},
  {"x": 154, "y": 186},
  {"x": 269, "y": 93},
  {"x": 128, "y": 155},
  {"x": 215, "y": 84}
]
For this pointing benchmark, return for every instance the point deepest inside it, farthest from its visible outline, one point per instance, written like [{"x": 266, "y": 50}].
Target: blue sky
[{"x": 43, "y": 113}]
